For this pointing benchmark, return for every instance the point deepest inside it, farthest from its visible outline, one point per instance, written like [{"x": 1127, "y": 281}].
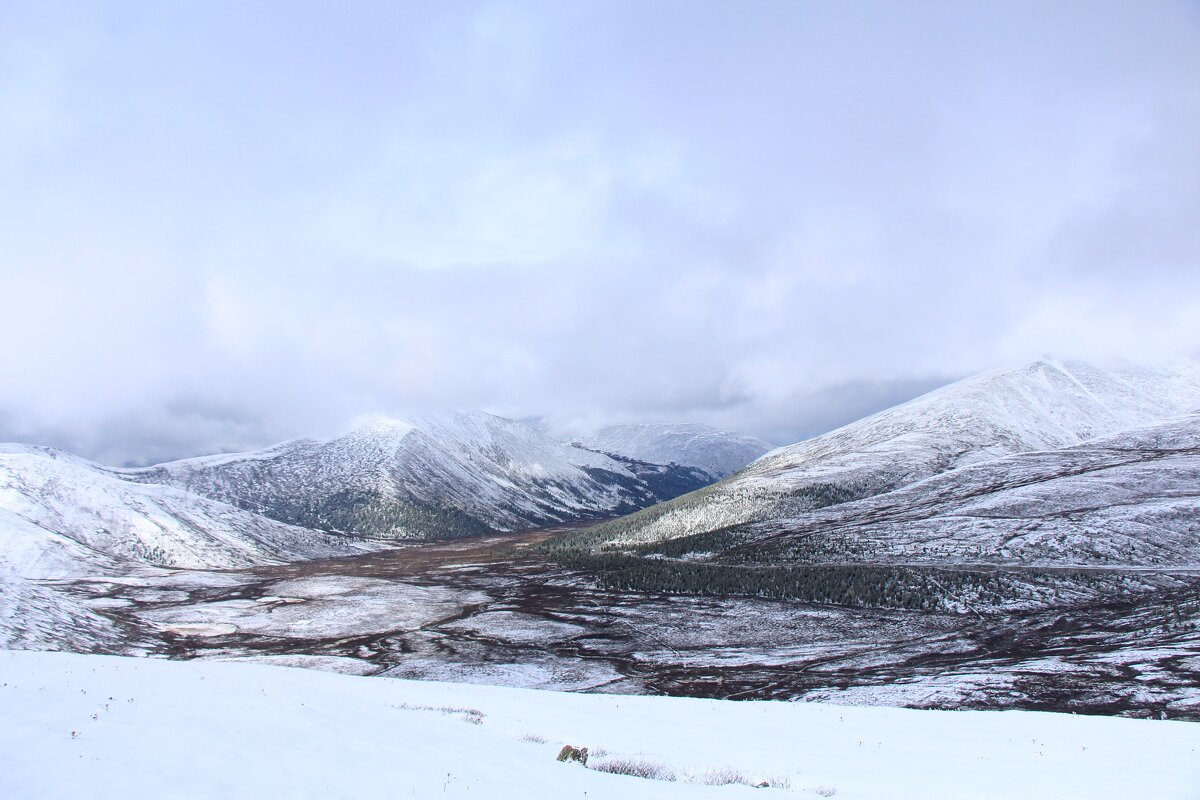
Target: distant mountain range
[
  {"x": 434, "y": 477},
  {"x": 717, "y": 453},
  {"x": 1027, "y": 536},
  {"x": 1053, "y": 463},
  {"x": 438, "y": 476}
]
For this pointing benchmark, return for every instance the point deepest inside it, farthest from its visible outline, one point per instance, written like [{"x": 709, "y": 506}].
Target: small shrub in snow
[
  {"x": 722, "y": 776},
  {"x": 637, "y": 767},
  {"x": 824, "y": 791},
  {"x": 728, "y": 776},
  {"x": 533, "y": 738},
  {"x": 471, "y": 715}
]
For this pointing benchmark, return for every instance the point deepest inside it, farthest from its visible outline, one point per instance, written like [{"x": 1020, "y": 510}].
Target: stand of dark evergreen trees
[{"x": 865, "y": 586}]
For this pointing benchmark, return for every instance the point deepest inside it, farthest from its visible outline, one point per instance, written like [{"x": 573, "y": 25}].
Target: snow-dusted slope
[
  {"x": 1131, "y": 499},
  {"x": 107, "y": 727},
  {"x": 62, "y": 517},
  {"x": 34, "y": 617},
  {"x": 444, "y": 475},
  {"x": 1045, "y": 405},
  {"x": 719, "y": 453}
]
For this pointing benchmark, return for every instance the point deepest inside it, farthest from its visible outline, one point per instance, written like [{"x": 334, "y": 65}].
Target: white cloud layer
[{"x": 224, "y": 224}]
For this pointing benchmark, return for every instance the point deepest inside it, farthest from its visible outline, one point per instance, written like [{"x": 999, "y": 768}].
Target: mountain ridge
[
  {"x": 1044, "y": 405},
  {"x": 434, "y": 476},
  {"x": 1130, "y": 499},
  {"x": 61, "y": 516}
]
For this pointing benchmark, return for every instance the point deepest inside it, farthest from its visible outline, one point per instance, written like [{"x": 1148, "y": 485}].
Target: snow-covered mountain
[
  {"x": 718, "y": 453},
  {"x": 1130, "y": 499},
  {"x": 428, "y": 477},
  {"x": 1046, "y": 405},
  {"x": 63, "y": 517}
]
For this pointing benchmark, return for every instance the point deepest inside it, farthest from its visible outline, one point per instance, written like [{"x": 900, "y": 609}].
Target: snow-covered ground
[
  {"x": 316, "y": 607},
  {"x": 110, "y": 727}
]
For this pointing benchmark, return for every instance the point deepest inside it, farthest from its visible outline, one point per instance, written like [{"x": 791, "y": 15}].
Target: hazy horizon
[{"x": 858, "y": 402}]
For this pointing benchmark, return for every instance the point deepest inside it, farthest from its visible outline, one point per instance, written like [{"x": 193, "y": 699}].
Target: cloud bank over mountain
[{"x": 225, "y": 226}]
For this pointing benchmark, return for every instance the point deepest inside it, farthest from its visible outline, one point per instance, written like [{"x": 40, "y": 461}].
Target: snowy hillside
[
  {"x": 107, "y": 727},
  {"x": 1045, "y": 405},
  {"x": 719, "y": 453},
  {"x": 1131, "y": 499},
  {"x": 63, "y": 517},
  {"x": 430, "y": 477},
  {"x": 34, "y": 617}
]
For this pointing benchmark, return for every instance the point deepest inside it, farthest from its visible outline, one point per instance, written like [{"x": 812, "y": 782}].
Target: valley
[
  {"x": 1023, "y": 539},
  {"x": 498, "y": 610}
]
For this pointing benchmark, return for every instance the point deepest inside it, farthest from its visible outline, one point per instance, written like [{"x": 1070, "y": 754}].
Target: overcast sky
[{"x": 224, "y": 224}]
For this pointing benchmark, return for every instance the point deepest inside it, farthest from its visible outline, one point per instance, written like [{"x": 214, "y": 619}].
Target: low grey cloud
[
  {"x": 152, "y": 434},
  {"x": 225, "y": 225}
]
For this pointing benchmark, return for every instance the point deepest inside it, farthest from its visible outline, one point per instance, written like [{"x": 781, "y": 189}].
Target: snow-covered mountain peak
[
  {"x": 518, "y": 445},
  {"x": 447, "y": 474},
  {"x": 42, "y": 451},
  {"x": 479, "y": 439},
  {"x": 380, "y": 426},
  {"x": 1042, "y": 406}
]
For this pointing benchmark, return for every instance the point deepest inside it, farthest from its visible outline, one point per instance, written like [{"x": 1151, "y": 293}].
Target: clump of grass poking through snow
[
  {"x": 637, "y": 767},
  {"x": 471, "y": 715},
  {"x": 824, "y": 791},
  {"x": 722, "y": 776},
  {"x": 533, "y": 738},
  {"x": 727, "y": 776}
]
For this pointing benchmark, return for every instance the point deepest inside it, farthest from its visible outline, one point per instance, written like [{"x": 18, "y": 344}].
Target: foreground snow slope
[
  {"x": 438, "y": 476},
  {"x": 1046, "y": 405},
  {"x": 719, "y": 453},
  {"x": 108, "y": 727}
]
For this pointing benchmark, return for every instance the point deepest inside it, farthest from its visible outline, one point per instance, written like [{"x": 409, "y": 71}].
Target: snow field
[{"x": 110, "y": 727}]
